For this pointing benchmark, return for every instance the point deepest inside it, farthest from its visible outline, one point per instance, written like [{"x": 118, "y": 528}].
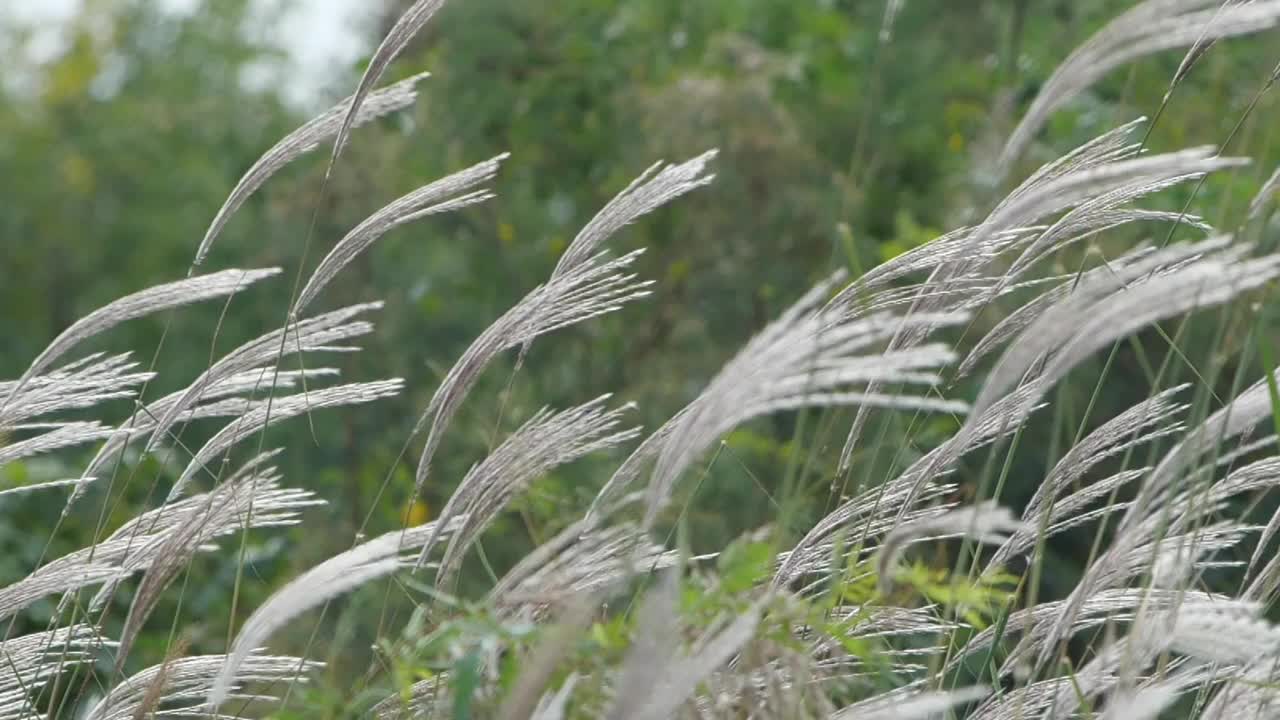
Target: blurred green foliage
[{"x": 841, "y": 145}]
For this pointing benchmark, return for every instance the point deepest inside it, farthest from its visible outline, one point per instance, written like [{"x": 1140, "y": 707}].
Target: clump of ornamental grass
[{"x": 898, "y": 600}]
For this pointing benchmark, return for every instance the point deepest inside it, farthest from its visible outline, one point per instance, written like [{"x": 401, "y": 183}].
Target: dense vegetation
[{"x": 745, "y": 556}]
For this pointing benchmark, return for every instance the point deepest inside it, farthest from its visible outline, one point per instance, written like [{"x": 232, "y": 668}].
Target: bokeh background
[{"x": 844, "y": 140}]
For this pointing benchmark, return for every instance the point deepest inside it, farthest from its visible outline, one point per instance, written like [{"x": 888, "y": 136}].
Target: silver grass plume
[
  {"x": 868, "y": 516},
  {"x": 76, "y": 385},
  {"x": 338, "y": 575},
  {"x": 69, "y": 573},
  {"x": 1144, "y": 422},
  {"x": 1066, "y": 513},
  {"x": 42, "y": 485},
  {"x": 1202, "y": 501},
  {"x": 1038, "y": 698},
  {"x": 1265, "y": 194},
  {"x": 1032, "y": 700},
  {"x": 571, "y": 280},
  {"x": 918, "y": 627},
  {"x": 1106, "y": 670},
  {"x": 807, "y": 357},
  {"x": 1057, "y": 696},
  {"x": 882, "y": 508},
  {"x": 1232, "y": 420},
  {"x": 1223, "y": 631},
  {"x": 134, "y": 545},
  {"x": 616, "y": 492},
  {"x": 418, "y": 700},
  {"x": 1090, "y": 217},
  {"x": 765, "y": 679},
  {"x": 1094, "y": 287},
  {"x": 252, "y": 490},
  {"x": 985, "y": 522},
  {"x": 912, "y": 706},
  {"x": 60, "y": 436},
  {"x": 1199, "y": 48},
  {"x": 302, "y": 141},
  {"x": 770, "y": 677},
  {"x": 144, "y": 422},
  {"x": 1113, "y": 145},
  {"x": 578, "y": 560},
  {"x": 1131, "y": 553},
  {"x": 544, "y": 442},
  {"x": 450, "y": 193},
  {"x": 316, "y": 334},
  {"x": 1150, "y": 27},
  {"x": 31, "y": 661},
  {"x": 578, "y": 279},
  {"x": 591, "y": 288},
  {"x": 1264, "y": 581},
  {"x": 552, "y": 706},
  {"x": 655, "y": 187},
  {"x": 1116, "y": 304},
  {"x": 891, "y": 10},
  {"x": 1090, "y": 187},
  {"x": 1103, "y": 166},
  {"x": 1207, "y": 283},
  {"x": 260, "y": 416},
  {"x": 1263, "y": 578},
  {"x": 537, "y": 559},
  {"x": 1105, "y": 178},
  {"x": 961, "y": 294},
  {"x": 1251, "y": 695},
  {"x": 1096, "y": 215},
  {"x": 184, "y": 682},
  {"x": 956, "y": 245},
  {"x": 947, "y": 248},
  {"x": 144, "y": 302},
  {"x": 1017, "y": 320},
  {"x": 1106, "y": 607},
  {"x": 408, "y": 25}
]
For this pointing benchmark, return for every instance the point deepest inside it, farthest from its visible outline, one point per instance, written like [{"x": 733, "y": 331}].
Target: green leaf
[
  {"x": 744, "y": 564},
  {"x": 1269, "y": 365},
  {"x": 465, "y": 680}
]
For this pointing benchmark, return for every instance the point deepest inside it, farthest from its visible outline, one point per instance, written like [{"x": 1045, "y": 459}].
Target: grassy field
[{"x": 551, "y": 463}]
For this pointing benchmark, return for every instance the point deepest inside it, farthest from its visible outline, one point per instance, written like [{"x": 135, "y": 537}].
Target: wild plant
[{"x": 832, "y": 611}]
